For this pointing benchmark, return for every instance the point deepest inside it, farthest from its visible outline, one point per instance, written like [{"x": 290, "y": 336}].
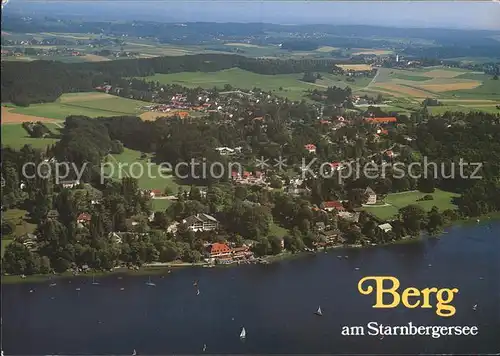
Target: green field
[
  {"x": 396, "y": 201},
  {"x": 287, "y": 85},
  {"x": 458, "y": 89},
  {"x": 87, "y": 104},
  {"x": 135, "y": 167},
  {"x": 15, "y": 136},
  {"x": 18, "y": 219},
  {"x": 416, "y": 78}
]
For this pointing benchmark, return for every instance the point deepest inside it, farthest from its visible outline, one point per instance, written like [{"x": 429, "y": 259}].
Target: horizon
[{"x": 467, "y": 15}]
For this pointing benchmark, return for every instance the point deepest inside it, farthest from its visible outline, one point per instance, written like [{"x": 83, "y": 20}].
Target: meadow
[
  {"x": 18, "y": 219},
  {"x": 395, "y": 201},
  {"x": 457, "y": 89},
  {"x": 15, "y": 136},
  {"x": 90, "y": 104},
  {"x": 287, "y": 85},
  {"x": 135, "y": 166}
]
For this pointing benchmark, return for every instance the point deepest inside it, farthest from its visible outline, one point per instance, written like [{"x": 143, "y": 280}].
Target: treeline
[{"x": 45, "y": 81}]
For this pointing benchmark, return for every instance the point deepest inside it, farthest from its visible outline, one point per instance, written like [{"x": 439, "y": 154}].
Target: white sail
[
  {"x": 319, "y": 312},
  {"x": 243, "y": 333}
]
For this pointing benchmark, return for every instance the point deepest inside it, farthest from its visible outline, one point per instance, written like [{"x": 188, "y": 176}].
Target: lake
[{"x": 275, "y": 303}]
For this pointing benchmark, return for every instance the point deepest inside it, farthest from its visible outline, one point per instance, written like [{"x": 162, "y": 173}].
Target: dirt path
[{"x": 8, "y": 117}]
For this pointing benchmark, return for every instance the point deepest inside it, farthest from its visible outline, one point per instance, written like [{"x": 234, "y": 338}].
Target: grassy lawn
[
  {"x": 161, "y": 204},
  {"x": 19, "y": 219},
  {"x": 15, "y": 136},
  {"x": 135, "y": 167},
  {"x": 5, "y": 243},
  {"x": 417, "y": 78},
  {"x": 77, "y": 104},
  {"x": 462, "y": 108},
  {"x": 396, "y": 201}
]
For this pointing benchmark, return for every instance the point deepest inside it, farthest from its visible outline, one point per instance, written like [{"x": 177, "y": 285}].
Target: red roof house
[
  {"x": 333, "y": 205},
  {"x": 83, "y": 218},
  {"x": 310, "y": 148},
  {"x": 218, "y": 250},
  {"x": 381, "y": 120}
]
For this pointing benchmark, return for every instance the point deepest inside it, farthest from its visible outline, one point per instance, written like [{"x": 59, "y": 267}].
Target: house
[
  {"x": 172, "y": 228},
  {"x": 115, "y": 238},
  {"x": 70, "y": 183},
  {"x": 241, "y": 252},
  {"x": 381, "y": 120},
  {"x": 372, "y": 196},
  {"x": 332, "y": 205},
  {"x": 225, "y": 151},
  {"x": 83, "y": 218},
  {"x": 183, "y": 114},
  {"x": 310, "y": 148},
  {"x": 336, "y": 166},
  {"x": 385, "y": 227},
  {"x": 320, "y": 226},
  {"x": 53, "y": 214},
  {"x": 29, "y": 241},
  {"x": 351, "y": 217},
  {"x": 154, "y": 193},
  {"x": 217, "y": 250},
  {"x": 201, "y": 222}
]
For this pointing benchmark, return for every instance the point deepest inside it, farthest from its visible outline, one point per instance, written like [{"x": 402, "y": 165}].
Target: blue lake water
[{"x": 275, "y": 303}]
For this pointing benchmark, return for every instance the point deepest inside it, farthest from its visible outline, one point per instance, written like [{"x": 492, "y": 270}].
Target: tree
[
  {"x": 435, "y": 220},
  {"x": 413, "y": 218},
  {"x": 275, "y": 244}
]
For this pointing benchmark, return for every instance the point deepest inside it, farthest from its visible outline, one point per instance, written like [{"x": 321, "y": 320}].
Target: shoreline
[{"x": 159, "y": 268}]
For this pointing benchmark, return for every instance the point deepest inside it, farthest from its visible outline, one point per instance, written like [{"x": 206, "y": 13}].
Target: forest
[
  {"x": 44, "y": 81},
  {"x": 246, "y": 213}
]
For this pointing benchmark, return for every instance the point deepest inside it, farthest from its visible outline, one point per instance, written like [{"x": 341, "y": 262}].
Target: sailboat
[
  {"x": 243, "y": 333},
  {"x": 134, "y": 353},
  {"x": 204, "y": 347},
  {"x": 94, "y": 282},
  {"x": 195, "y": 283},
  {"x": 319, "y": 312},
  {"x": 149, "y": 283},
  {"x": 197, "y": 292},
  {"x": 474, "y": 307}
]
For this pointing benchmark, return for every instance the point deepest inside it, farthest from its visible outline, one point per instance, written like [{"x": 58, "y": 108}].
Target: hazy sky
[{"x": 450, "y": 14}]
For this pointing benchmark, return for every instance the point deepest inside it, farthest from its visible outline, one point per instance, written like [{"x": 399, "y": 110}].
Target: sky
[{"x": 435, "y": 14}]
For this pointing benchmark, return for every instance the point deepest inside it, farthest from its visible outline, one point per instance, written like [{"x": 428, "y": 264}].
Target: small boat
[
  {"x": 204, "y": 347},
  {"x": 122, "y": 288},
  {"x": 169, "y": 271},
  {"x": 197, "y": 292},
  {"x": 319, "y": 312},
  {"x": 474, "y": 307},
  {"x": 52, "y": 284},
  {"x": 149, "y": 283},
  {"x": 94, "y": 282},
  {"x": 31, "y": 290},
  {"x": 77, "y": 289},
  {"x": 195, "y": 283},
  {"x": 243, "y": 333},
  {"x": 357, "y": 268}
]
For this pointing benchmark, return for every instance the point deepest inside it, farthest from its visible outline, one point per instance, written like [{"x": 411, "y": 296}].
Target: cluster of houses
[
  {"x": 257, "y": 178},
  {"x": 227, "y": 151}
]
